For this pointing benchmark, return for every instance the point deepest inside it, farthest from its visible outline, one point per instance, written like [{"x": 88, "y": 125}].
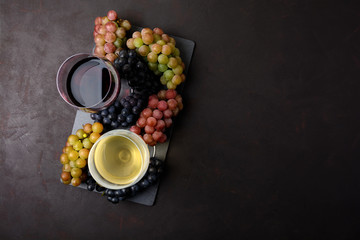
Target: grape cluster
[
  {"x": 76, "y": 152},
  {"x": 133, "y": 69},
  {"x": 110, "y": 35},
  {"x": 123, "y": 113},
  {"x": 157, "y": 117},
  {"x": 162, "y": 55},
  {"x": 156, "y": 167}
]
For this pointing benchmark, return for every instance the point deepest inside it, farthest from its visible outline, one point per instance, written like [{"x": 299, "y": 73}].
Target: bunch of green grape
[
  {"x": 110, "y": 35},
  {"x": 161, "y": 53},
  {"x": 76, "y": 152}
]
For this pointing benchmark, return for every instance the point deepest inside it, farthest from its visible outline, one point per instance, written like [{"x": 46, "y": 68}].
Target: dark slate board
[{"x": 148, "y": 196}]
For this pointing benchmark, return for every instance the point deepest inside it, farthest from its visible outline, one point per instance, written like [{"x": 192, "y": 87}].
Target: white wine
[{"x": 118, "y": 159}]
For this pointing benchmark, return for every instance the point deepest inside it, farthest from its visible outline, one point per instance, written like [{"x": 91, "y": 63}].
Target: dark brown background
[{"x": 268, "y": 146}]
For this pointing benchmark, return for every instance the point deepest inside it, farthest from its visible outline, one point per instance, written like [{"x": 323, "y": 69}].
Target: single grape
[
  {"x": 72, "y": 139},
  {"x": 178, "y": 70},
  {"x": 146, "y": 31},
  {"x": 172, "y": 62},
  {"x": 141, "y": 122},
  {"x": 168, "y": 113},
  {"x": 144, "y": 50},
  {"x": 87, "y": 128},
  {"x": 66, "y": 167},
  {"x": 78, "y": 145},
  {"x": 65, "y": 176},
  {"x": 166, "y": 49},
  {"x": 162, "y": 58},
  {"x": 172, "y": 104},
  {"x": 99, "y": 40},
  {"x": 136, "y": 34},
  {"x": 170, "y": 85},
  {"x": 158, "y": 114},
  {"x": 80, "y": 163},
  {"x": 64, "y": 158},
  {"x": 94, "y": 137},
  {"x": 109, "y": 47},
  {"x": 165, "y": 37},
  {"x": 162, "y": 67},
  {"x": 149, "y": 129},
  {"x": 147, "y": 38},
  {"x": 97, "y": 127},
  {"x": 156, "y": 48},
  {"x": 111, "y": 27},
  {"x": 153, "y": 103},
  {"x": 151, "y": 121},
  {"x": 75, "y": 181},
  {"x": 118, "y": 43},
  {"x": 112, "y": 15},
  {"x": 87, "y": 143},
  {"x": 168, "y": 74},
  {"x": 138, "y": 42},
  {"x": 158, "y": 31},
  {"x": 152, "y": 57},
  {"x": 98, "y": 20},
  {"x": 120, "y": 32},
  {"x": 168, "y": 122},
  {"x": 73, "y": 155},
  {"x": 84, "y": 153},
  {"x": 130, "y": 43},
  {"x": 76, "y": 172},
  {"x": 135, "y": 129},
  {"x": 162, "y": 105},
  {"x": 160, "y": 125}
]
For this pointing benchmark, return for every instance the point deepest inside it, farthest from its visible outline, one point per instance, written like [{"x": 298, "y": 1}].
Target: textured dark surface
[{"x": 267, "y": 147}]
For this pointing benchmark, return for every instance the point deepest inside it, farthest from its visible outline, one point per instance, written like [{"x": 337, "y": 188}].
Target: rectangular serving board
[{"x": 148, "y": 196}]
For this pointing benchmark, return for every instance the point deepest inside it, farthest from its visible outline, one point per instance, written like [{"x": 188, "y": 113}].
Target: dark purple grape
[
  {"x": 111, "y": 109},
  {"x": 106, "y": 120},
  {"x": 130, "y": 118},
  {"x": 114, "y": 124},
  {"x": 104, "y": 112}
]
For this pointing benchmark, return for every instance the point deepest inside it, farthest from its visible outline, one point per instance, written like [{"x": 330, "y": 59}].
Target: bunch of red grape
[
  {"x": 157, "y": 117},
  {"x": 161, "y": 53},
  {"x": 110, "y": 35}
]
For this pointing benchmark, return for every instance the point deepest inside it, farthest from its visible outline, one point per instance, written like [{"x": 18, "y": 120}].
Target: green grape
[
  {"x": 84, "y": 153},
  {"x": 64, "y": 158},
  {"x": 176, "y": 52},
  {"x": 153, "y": 66},
  {"x": 87, "y": 143},
  {"x": 176, "y": 80},
  {"x": 162, "y": 67},
  {"x": 172, "y": 62},
  {"x": 80, "y": 163},
  {"x": 72, "y": 165},
  {"x": 78, "y": 145},
  {"x": 168, "y": 74},
  {"x": 73, "y": 155},
  {"x": 163, "y": 80},
  {"x": 66, "y": 167},
  {"x": 81, "y": 134},
  {"x": 152, "y": 57},
  {"x": 138, "y": 42},
  {"x": 118, "y": 42},
  {"x": 170, "y": 85},
  {"x": 178, "y": 70},
  {"x": 157, "y": 37},
  {"x": 163, "y": 59},
  {"x": 72, "y": 139},
  {"x": 161, "y": 42},
  {"x": 157, "y": 72},
  {"x": 76, "y": 172},
  {"x": 156, "y": 48},
  {"x": 144, "y": 50}
]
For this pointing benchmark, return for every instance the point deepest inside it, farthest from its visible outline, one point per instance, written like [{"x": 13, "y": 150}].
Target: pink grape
[
  {"x": 147, "y": 112},
  {"x": 160, "y": 126},
  {"x": 130, "y": 43},
  {"x": 149, "y": 129},
  {"x": 151, "y": 121},
  {"x": 146, "y": 31},
  {"x": 168, "y": 122},
  {"x": 178, "y": 98},
  {"x": 141, "y": 122},
  {"x": 157, "y": 135},
  {"x": 97, "y": 28},
  {"x": 158, "y": 31},
  {"x": 170, "y": 93},
  {"x": 99, "y": 39},
  {"x": 180, "y": 105},
  {"x": 152, "y": 96},
  {"x": 172, "y": 103},
  {"x": 156, "y": 48},
  {"x": 148, "y": 138},
  {"x": 112, "y": 15},
  {"x": 136, "y": 34},
  {"x": 168, "y": 113},
  {"x": 110, "y": 26},
  {"x": 158, "y": 114},
  {"x": 98, "y": 20},
  {"x": 109, "y": 47},
  {"x": 111, "y": 57},
  {"x": 163, "y": 138},
  {"x": 135, "y": 129},
  {"x": 102, "y": 30},
  {"x": 99, "y": 51},
  {"x": 147, "y": 38},
  {"x": 110, "y": 37},
  {"x": 153, "y": 103},
  {"x": 165, "y": 37},
  {"x": 166, "y": 49},
  {"x": 162, "y": 105}
]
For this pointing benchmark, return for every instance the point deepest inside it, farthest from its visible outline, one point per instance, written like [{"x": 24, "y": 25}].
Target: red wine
[{"x": 89, "y": 82}]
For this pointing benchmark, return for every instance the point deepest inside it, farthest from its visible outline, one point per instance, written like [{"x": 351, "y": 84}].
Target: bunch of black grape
[
  {"x": 123, "y": 113},
  {"x": 156, "y": 167},
  {"x": 133, "y": 69}
]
